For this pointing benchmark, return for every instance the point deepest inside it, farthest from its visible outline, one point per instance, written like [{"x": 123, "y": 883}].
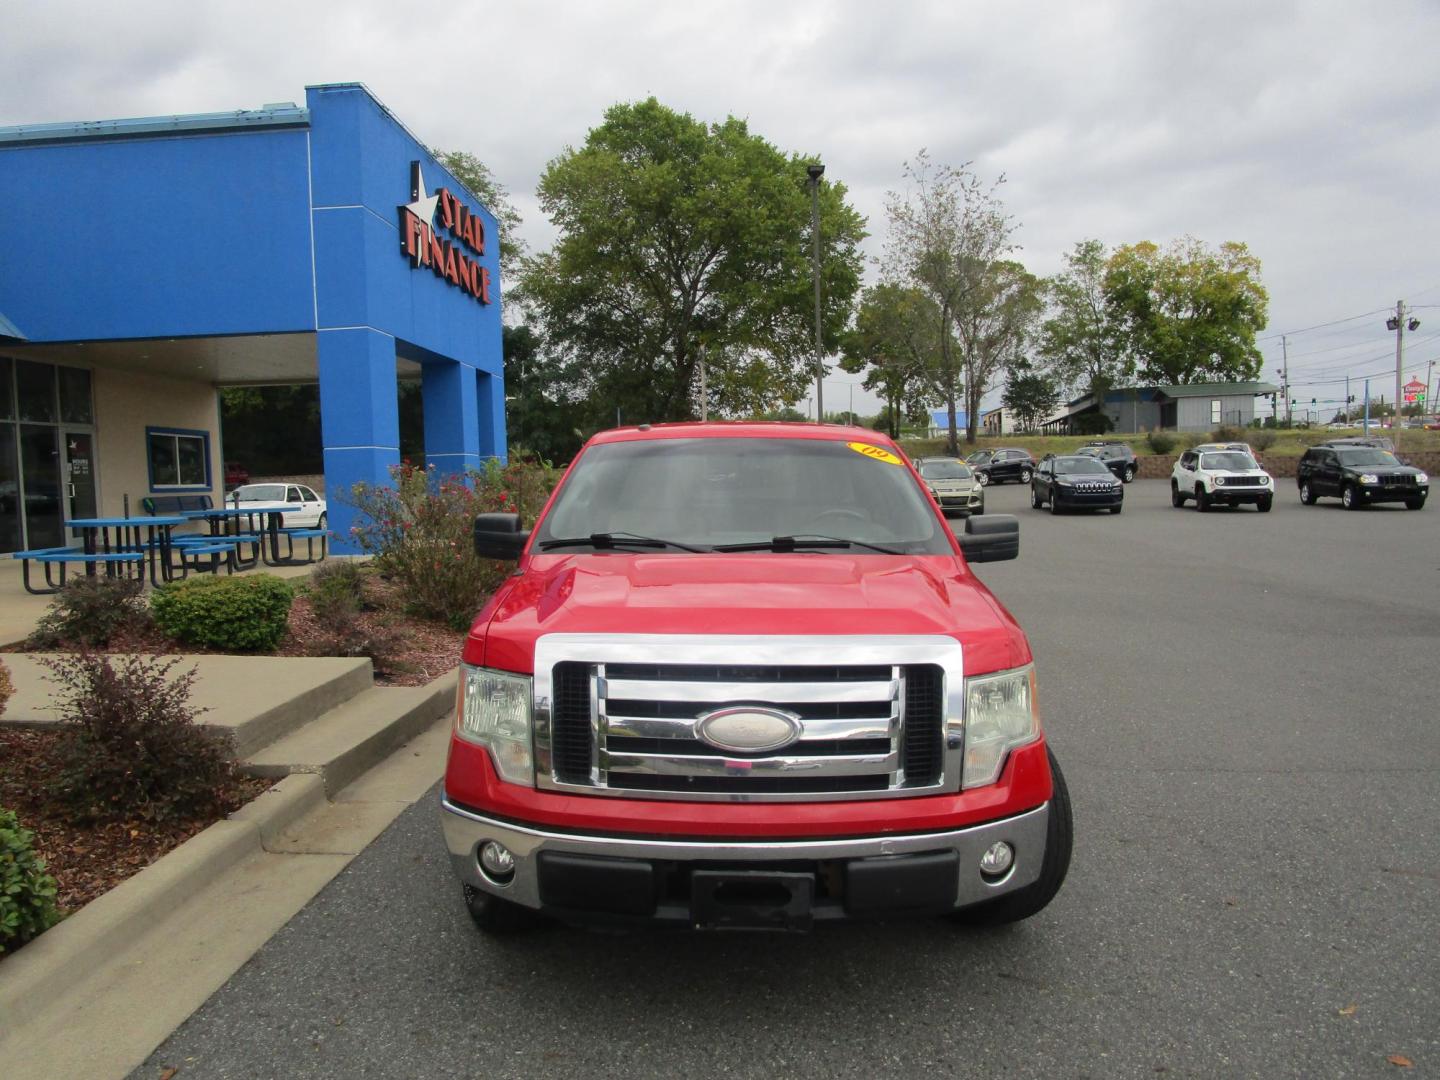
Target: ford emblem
[{"x": 748, "y": 729}]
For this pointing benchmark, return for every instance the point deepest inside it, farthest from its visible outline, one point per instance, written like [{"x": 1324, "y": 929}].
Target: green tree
[
  {"x": 1079, "y": 342},
  {"x": 896, "y": 342},
  {"x": 481, "y": 182},
  {"x": 1188, "y": 313},
  {"x": 1030, "y": 395},
  {"x": 542, "y": 416},
  {"x": 673, "y": 235},
  {"x": 949, "y": 236}
]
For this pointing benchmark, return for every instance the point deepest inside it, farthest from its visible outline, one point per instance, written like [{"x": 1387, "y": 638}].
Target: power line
[{"x": 1321, "y": 326}]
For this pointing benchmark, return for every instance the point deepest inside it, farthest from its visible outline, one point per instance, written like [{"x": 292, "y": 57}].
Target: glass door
[
  {"x": 80, "y": 474},
  {"x": 41, "y": 478}
]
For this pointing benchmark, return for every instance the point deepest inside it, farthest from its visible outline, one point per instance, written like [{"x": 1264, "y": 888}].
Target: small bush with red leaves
[
  {"x": 421, "y": 531},
  {"x": 131, "y": 748}
]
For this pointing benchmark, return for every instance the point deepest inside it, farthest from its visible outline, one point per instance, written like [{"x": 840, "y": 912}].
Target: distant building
[
  {"x": 940, "y": 422},
  {"x": 1185, "y": 407},
  {"x": 997, "y": 421}
]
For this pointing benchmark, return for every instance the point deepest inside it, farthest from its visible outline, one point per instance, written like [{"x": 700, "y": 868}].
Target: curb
[{"x": 66, "y": 955}]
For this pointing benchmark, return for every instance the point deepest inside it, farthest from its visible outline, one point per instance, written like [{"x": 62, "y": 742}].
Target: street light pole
[
  {"x": 815, "y": 172},
  {"x": 1399, "y": 323}
]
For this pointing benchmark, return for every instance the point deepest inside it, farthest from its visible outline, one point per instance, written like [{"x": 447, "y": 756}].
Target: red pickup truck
[{"x": 744, "y": 678}]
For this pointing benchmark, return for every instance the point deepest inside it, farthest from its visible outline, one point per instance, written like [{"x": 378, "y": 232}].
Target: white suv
[{"x": 1224, "y": 474}]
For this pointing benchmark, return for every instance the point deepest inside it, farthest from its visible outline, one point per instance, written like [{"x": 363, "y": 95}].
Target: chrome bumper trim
[{"x": 466, "y": 830}]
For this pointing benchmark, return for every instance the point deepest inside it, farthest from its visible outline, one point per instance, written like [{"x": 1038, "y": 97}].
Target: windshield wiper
[
  {"x": 810, "y": 540},
  {"x": 602, "y": 541}
]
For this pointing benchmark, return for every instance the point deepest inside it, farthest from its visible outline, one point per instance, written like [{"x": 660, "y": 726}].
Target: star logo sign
[{"x": 424, "y": 205}]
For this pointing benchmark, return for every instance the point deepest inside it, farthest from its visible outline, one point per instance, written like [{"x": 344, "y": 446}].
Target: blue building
[{"x": 149, "y": 262}]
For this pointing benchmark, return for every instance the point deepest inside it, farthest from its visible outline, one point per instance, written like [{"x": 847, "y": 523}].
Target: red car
[
  {"x": 235, "y": 475},
  {"x": 745, "y": 678}
]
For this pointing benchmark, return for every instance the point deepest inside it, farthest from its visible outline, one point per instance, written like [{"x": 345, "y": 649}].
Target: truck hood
[{"x": 760, "y": 593}]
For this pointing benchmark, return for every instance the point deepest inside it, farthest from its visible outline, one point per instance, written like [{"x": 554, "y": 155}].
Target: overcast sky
[{"x": 1306, "y": 130}]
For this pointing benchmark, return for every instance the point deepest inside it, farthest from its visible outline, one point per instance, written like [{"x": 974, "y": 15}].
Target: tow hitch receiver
[{"x": 751, "y": 900}]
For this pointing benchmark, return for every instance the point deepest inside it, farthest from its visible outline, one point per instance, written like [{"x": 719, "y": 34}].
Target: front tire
[
  {"x": 1054, "y": 503},
  {"x": 1129, "y": 473},
  {"x": 1117, "y": 509},
  {"x": 1350, "y": 498},
  {"x": 983, "y": 478},
  {"x": 1025, "y": 475},
  {"x": 1307, "y": 494},
  {"x": 1264, "y": 504},
  {"x": 496, "y": 917},
  {"x": 1202, "y": 500},
  {"x": 1059, "y": 839},
  {"x": 323, "y": 522},
  {"x": 1035, "y": 501},
  {"x": 1414, "y": 504},
  {"x": 1177, "y": 500}
]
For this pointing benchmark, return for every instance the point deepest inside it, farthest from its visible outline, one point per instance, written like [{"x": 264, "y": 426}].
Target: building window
[
  {"x": 179, "y": 459},
  {"x": 1215, "y": 412}
]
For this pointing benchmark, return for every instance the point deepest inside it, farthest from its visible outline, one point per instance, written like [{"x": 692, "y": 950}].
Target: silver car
[{"x": 954, "y": 484}]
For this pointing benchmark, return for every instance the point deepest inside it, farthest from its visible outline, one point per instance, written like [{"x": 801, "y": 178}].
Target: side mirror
[
  {"x": 498, "y": 536},
  {"x": 992, "y": 538}
]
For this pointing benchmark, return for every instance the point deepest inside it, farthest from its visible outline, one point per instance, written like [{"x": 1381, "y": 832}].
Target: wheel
[
  {"x": 1307, "y": 494},
  {"x": 1176, "y": 499},
  {"x": 1059, "y": 839},
  {"x": 1035, "y": 501},
  {"x": 496, "y": 916},
  {"x": 1264, "y": 504},
  {"x": 1350, "y": 498},
  {"x": 1025, "y": 476},
  {"x": 1129, "y": 473},
  {"x": 984, "y": 478},
  {"x": 1414, "y": 504},
  {"x": 1117, "y": 508},
  {"x": 324, "y": 520},
  {"x": 1202, "y": 501},
  {"x": 1053, "y": 503}
]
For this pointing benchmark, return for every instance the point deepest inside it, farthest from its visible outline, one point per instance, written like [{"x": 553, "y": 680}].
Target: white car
[
  {"x": 1221, "y": 474},
  {"x": 309, "y": 508}
]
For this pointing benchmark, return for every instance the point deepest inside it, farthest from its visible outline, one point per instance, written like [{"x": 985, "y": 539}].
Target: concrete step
[
  {"x": 249, "y": 700},
  {"x": 349, "y": 739}
]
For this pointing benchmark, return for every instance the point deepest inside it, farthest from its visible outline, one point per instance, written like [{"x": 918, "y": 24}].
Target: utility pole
[
  {"x": 1347, "y": 399},
  {"x": 1285, "y": 380},
  {"x": 1429, "y": 398},
  {"x": 1399, "y": 323},
  {"x": 815, "y": 172}
]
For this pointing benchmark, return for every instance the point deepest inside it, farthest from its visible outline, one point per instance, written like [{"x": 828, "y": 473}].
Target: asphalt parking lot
[{"x": 1245, "y": 707}]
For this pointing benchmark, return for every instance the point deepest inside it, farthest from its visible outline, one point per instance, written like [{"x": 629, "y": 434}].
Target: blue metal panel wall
[{"x": 156, "y": 237}]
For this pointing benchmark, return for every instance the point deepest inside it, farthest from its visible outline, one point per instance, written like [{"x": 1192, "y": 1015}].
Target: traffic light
[{"x": 1312, "y": 401}]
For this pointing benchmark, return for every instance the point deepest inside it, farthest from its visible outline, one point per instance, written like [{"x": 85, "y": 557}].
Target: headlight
[
  {"x": 999, "y": 716},
  {"x": 1422, "y": 479},
  {"x": 495, "y": 712},
  {"x": 1219, "y": 481},
  {"x": 1369, "y": 478}
]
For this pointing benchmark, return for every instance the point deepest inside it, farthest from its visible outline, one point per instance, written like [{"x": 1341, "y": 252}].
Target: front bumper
[
  {"x": 962, "y": 503},
  {"x": 703, "y": 882},
  {"x": 1089, "y": 499},
  {"x": 1237, "y": 496},
  {"x": 1375, "y": 493}
]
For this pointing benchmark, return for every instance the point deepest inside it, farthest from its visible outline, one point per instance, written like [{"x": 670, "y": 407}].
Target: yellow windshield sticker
[{"x": 875, "y": 452}]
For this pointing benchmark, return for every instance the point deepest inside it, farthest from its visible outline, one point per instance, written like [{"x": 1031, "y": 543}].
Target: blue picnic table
[{"x": 121, "y": 545}]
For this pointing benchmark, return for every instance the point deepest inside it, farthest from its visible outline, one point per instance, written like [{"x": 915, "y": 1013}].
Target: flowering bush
[{"x": 421, "y": 531}]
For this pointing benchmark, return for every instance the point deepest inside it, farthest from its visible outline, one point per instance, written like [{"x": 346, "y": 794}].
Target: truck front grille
[{"x": 618, "y": 726}]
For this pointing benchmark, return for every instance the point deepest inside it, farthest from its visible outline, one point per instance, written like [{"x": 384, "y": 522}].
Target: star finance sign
[{"x": 422, "y": 244}]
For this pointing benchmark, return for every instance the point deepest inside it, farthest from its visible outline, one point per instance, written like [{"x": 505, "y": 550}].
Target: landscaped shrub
[
  {"x": 91, "y": 611},
  {"x": 1160, "y": 442},
  {"x": 337, "y": 590},
  {"x": 1226, "y": 433},
  {"x": 242, "y": 614},
  {"x": 6, "y": 687},
  {"x": 130, "y": 747},
  {"x": 27, "y": 892},
  {"x": 1262, "y": 440},
  {"x": 421, "y": 531}
]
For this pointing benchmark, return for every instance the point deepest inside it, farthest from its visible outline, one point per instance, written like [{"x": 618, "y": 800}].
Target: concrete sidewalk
[{"x": 154, "y": 950}]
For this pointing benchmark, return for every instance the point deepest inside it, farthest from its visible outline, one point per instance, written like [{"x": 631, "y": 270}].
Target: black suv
[
  {"x": 1359, "y": 475},
  {"x": 1118, "y": 457},
  {"x": 1002, "y": 466},
  {"x": 1075, "y": 482}
]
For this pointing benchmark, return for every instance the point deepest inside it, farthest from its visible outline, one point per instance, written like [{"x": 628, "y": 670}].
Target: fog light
[
  {"x": 997, "y": 859},
  {"x": 498, "y": 863}
]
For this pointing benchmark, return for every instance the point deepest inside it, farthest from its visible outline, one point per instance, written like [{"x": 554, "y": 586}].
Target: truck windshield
[{"x": 707, "y": 492}]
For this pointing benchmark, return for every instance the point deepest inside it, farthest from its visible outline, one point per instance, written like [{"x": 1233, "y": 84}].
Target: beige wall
[{"x": 126, "y": 404}]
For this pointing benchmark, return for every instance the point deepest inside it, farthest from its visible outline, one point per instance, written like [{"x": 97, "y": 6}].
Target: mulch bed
[{"x": 88, "y": 860}]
